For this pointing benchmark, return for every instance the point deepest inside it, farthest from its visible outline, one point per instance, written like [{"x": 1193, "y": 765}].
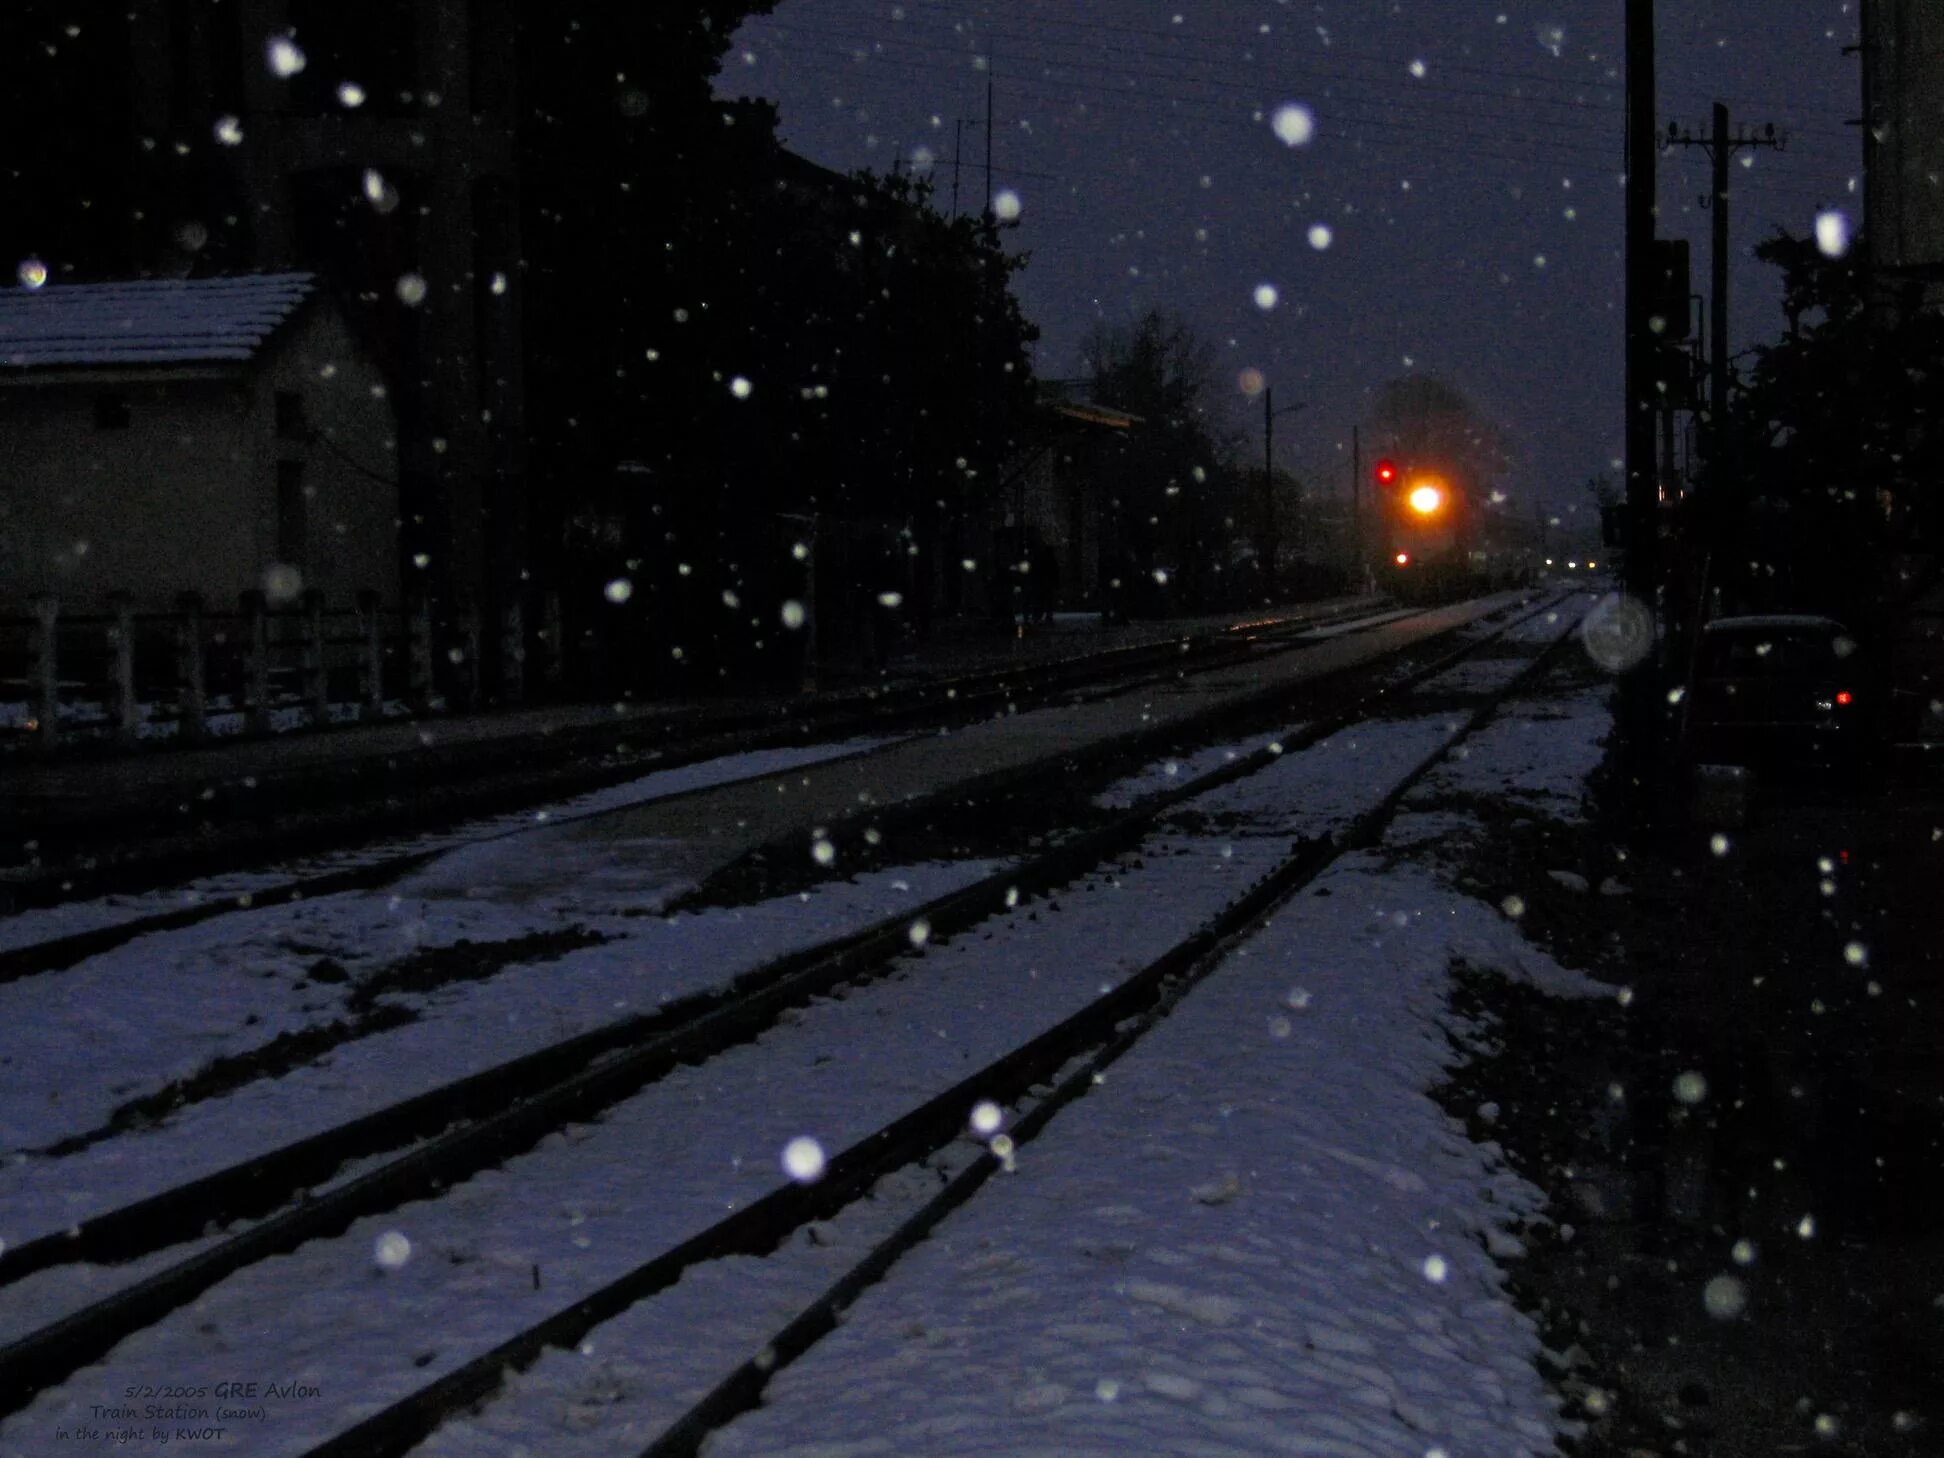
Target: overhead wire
[
  {"x": 1612, "y": 81},
  {"x": 1436, "y": 137},
  {"x": 875, "y": 49}
]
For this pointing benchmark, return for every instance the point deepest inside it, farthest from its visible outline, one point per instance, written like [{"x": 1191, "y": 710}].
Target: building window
[
  {"x": 290, "y": 416},
  {"x": 293, "y": 527},
  {"x": 111, "y": 412}
]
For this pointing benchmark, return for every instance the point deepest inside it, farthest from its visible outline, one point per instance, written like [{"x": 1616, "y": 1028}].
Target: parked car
[{"x": 1780, "y": 691}]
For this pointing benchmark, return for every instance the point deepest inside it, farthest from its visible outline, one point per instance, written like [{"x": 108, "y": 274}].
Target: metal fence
[{"x": 193, "y": 674}]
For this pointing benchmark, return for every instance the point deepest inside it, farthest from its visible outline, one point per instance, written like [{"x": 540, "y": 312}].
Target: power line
[
  {"x": 1432, "y": 137},
  {"x": 1178, "y": 35},
  {"x": 877, "y": 53}
]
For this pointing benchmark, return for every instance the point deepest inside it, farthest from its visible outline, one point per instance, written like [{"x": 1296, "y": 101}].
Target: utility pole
[
  {"x": 988, "y": 207},
  {"x": 1643, "y": 506},
  {"x": 958, "y": 150},
  {"x": 1721, "y": 147},
  {"x": 1269, "y": 546},
  {"x": 1866, "y": 49},
  {"x": 1359, "y": 549}
]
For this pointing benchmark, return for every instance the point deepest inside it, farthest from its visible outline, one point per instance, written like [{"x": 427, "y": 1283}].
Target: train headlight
[{"x": 1426, "y": 500}]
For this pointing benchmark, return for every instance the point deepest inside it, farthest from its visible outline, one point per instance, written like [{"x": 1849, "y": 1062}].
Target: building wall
[
  {"x": 184, "y": 495},
  {"x": 153, "y": 508},
  {"x": 439, "y": 123},
  {"x": 349, "y": 472},
  {"x": 1906, "y": 200}
]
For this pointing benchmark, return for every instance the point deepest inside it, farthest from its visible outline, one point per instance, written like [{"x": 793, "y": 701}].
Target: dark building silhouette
[{"x": 477, "y": 179}]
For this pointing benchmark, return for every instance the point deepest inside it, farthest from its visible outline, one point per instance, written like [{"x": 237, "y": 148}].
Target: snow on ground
[
  {"x": 1538, "y": 754},
  {"x": 1168, "y": 774},
  {"x": 460, "y": 1030},
  {"x": 640, "y": 1178},
  {"x": 42, "y": 924},
  {"x": 1260, "y": 1235},
  {"x": 163, "y": 1005}
]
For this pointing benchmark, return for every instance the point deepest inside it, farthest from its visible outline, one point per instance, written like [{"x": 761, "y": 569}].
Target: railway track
[
  {"x": 385, "y": 863},
  {"x": 224, "y": 825},
  {"x": 302, "y": 1193}
]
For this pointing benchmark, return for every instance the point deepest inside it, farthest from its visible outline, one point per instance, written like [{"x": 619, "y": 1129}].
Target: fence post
[
  {"x": 371, "y": 661},
  {"x": 256, "y": 661},
  {"x": 552, "y": 632},
  {"x": 512, "y": 666},
  {"x": 469, "y": 637},
  {"x": 192, "y": 691},
  {"x": 44, "y": 668},
  {"x": 418, "y": 651},
  {"x": 317, "y": 669},
  {"x": 121, "y": 641}
]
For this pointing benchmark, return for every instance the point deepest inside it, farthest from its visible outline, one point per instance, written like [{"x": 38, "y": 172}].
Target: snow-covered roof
[{"x": 147, "y": 322}]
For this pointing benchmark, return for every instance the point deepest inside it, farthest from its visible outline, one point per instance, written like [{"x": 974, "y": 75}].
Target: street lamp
[{"x": 1268, "y": 546}]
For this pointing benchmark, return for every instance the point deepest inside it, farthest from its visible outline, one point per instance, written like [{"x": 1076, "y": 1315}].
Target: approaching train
[{"x": 1438, "y": 543}]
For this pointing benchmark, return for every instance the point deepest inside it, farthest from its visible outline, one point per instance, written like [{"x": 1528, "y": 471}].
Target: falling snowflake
[
  {"x": 1833, "y": 233},
  {"x": 284, "y": 57},
  {"x": 803, "y": 1160},
  {"x": 1294, "y": 124}
]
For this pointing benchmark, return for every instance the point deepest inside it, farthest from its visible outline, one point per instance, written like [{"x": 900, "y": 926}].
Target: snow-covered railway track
[
  {"x": 69, "y": 923},
  {"x": 531, "y": 1097},
  {"x": 1005, "y": 1104}
]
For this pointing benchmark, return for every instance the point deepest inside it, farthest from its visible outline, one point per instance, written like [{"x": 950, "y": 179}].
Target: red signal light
[
  {"x": 1843, "y": 697},
  {"x": 1387, "y": 473}
]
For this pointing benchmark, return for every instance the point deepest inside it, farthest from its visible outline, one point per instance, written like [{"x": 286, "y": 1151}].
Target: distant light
[
  {"x": 1320, "y": 236},
  {"x": 1417, "y": 69},
  {"x": 350, "y": 95},
  {"x": 1572, "y": 566},
  {"x": 33, "y": 273},
  {"x": 741, "y": 388},
  {"x": 1403, "y": 559},
  {"x": 1266, "y": 297},
  {"x": 1251, "y": 382},
  {"x": 411, "y": 289},
  {"x": 229, "y": 131},
  {"x": 1007, "y": 206},
  {"x": 1426, "y": 500},
  {"x": 1843, "y": 696}
]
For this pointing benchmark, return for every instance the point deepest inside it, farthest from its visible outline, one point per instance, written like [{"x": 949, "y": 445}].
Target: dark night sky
[{"x": 1474, "y": 210}]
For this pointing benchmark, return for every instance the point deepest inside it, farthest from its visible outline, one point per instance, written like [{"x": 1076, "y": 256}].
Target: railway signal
[{"x": 1387, "y": 473}]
